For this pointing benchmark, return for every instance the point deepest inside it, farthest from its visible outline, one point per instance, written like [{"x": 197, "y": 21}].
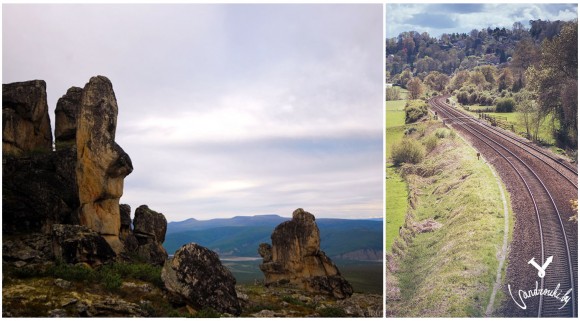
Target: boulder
[
  {"x": 102, "y": 164},
  {"x": 149, "y": 224},
  {"x": 197, "y": 276},
  {"x": 149, "y": 229},
  {"x": 295, "y": 258},
  {"x": 79, "y": 244},
  {"x": 66, "y": 114},
  {"x": 25, "y": 120}
]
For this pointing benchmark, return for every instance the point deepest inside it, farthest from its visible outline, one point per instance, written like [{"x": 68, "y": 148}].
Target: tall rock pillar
[
  {"x": 102, "y": 164},
  {"x": 25, "y": 121}
]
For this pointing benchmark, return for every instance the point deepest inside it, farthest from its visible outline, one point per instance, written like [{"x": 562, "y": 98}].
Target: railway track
[
  {"x": 560, "y": 166},
  {"x": 526, "y": 161}
]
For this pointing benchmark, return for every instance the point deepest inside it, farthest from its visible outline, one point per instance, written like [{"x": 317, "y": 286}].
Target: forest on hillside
[{"x": 531, "y": 70}]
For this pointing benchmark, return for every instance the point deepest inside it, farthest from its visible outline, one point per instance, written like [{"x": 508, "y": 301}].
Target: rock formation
[
  {"x": 66, "y": 114},
  {"x": 25, "y": 121},
  {"x": 79, "y": 244},
  {"x": 79, "y": 184},
  {"x": 101, "y": 163},
  {"x": 295, "y": 258},
  {"x": 197, "y": 276},
  {"x": 149, "y": 229}
]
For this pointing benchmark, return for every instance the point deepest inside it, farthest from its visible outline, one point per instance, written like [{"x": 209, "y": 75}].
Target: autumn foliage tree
[{"x": 415, "y": 88}]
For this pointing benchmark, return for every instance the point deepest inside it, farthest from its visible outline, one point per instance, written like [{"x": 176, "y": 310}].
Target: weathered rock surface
[
  {"x": 295, "y": 258},
  {"x": 33, "y": 248},
  {"x": 66, "y": 114},
  {"x": 79, "y": 244},
  {"x": 101, "y": 163},
  {"x": 25, "y": 120},
  {"x": 149, "y": 224},
  {"x": 39, "y": 190},
  {"x": 125, "y": 214},
  {"x": 149, "y": 230},
  {"x": 197, "y": 275}
]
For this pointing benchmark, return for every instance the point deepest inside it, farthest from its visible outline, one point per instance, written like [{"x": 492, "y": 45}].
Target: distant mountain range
[{"x": 240, "y": 236}]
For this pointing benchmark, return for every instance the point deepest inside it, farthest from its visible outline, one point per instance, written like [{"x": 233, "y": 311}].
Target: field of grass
[
  {"x": 396, "y": 205},
  {"x": 395, "y": 188},
  {"x": 394, "y": 113},
  {"x": 450, "y": 272}
]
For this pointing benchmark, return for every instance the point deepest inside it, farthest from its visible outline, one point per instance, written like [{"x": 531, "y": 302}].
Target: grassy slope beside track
[
  {"x": 396, "y": 188},
  {"x": 451, "y": 271}
]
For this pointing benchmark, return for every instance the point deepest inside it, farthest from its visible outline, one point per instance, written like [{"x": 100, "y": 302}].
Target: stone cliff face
[
  {"x": 295, "y": 258},
  {"x": 101, "y": 162},
  {"x": 25, "y": 121}
]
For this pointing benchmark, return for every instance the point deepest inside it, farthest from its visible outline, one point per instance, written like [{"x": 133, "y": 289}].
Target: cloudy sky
[
  {"x": 437, "y": 19},
  {"x": 225, "y": 110}
]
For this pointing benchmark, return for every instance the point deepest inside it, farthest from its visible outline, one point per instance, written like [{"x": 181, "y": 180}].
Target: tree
[
  {"x": 556, "y": 85},
  {"x": 415, "y": 88},
  {"x": 436, "y": 81},
  {"x": 505, "y": 80},
  {"x": 488, "y": 72},
  {"x": 531, "y": 115},
  {"x": 393, "y": 93},
  {"x": 458, "y": 80},
  {"x": 525, "y": 55},
  {"x": 477, "y": 78},
  {"x": 406, "y": 75}
]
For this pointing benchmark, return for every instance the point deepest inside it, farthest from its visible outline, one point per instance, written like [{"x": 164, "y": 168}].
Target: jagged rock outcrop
[
  {"x": 149, "y": 229},
  {"x": 196, "y": 274},
  {"x": 78, "y": 184},
  {"x": 102, "y": 164},
  {"x": 25, "y": 121},
  {"x": 66, "y": 114},
  {"x": 295, "y": 258},
  {"x": 79, "y": 244}
]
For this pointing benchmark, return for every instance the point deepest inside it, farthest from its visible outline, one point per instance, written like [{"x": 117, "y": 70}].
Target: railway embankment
[{"x": 445, "y": 259}]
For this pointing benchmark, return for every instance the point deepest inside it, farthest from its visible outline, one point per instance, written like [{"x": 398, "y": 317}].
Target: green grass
[
  {"x": 395, "y": 113},
  {"x": 450, "y": 272},
  {"x": 396, "y": 205},
  {"x": 396, "y": 188}
]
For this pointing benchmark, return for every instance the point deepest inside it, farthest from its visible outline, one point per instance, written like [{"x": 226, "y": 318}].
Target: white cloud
[
  {"x": 224, "y": 109},
  {"x": 490, "y": 15}
]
